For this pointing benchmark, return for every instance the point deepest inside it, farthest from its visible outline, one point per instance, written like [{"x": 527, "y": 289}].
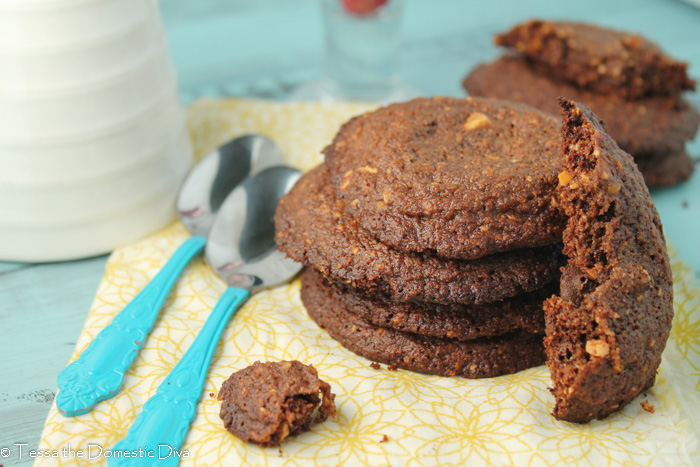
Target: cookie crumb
[
  {"x": 281, "y": 452},
  {"x": 211, "y": 394},
  {"x": 375, "y": 366},
  {"x": 648, "y": 406},
  {"x": 393, "y": 367},
  {"x": 384, "y": 439},
  {"x": 266, "y": 402}
]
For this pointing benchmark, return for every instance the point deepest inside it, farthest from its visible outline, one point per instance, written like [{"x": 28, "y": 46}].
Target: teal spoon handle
[
  {"x": 98, "y": 373},
  {"x": 162, "y": 425}
]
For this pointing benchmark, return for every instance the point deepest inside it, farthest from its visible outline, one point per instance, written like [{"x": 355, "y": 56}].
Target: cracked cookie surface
[{"x": 464, "y": 178}]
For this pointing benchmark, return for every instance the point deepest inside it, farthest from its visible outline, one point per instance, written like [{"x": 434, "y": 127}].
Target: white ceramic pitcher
[{"x": 93, "y": 145}]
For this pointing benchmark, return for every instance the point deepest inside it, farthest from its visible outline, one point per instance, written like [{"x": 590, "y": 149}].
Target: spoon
[
  {"x": 241, "y": 249},
  {"x": 98, "y": 373}
]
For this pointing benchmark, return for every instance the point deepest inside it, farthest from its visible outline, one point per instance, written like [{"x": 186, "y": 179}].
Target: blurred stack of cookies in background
[
  {"x": 431, "y": 235},
  {"x": 625, "y": 79}
]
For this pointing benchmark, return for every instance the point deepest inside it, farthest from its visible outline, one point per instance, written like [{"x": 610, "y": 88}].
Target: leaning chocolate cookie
[{"x": 606, "y": 331}]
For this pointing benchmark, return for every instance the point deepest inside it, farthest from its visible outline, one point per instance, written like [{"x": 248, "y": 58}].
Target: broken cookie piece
[
  {"x": 266, "y": 402},
  {"x": 601, "y": 59},
  {"x": 606, "y": 331}
]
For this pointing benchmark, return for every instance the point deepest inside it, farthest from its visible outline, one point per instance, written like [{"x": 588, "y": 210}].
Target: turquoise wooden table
[{"x": 264, "y": 49}]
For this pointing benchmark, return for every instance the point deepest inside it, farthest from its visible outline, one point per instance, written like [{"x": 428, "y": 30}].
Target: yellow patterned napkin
[{"x": 384, "y": 417}]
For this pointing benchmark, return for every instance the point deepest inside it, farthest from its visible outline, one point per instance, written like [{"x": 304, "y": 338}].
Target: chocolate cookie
[
  {"x": 266, "y": 402},
  {"x": 606, "y": 332},
  {"x": 651, "y": 126},
  {"x": 461, "y": 322},
  {"x": 462, "y": 177},
  {"x": 665, "y": 170},
  {"x": 602, "y": 60},
  {"x": 478, "y": 358},
  {"x": 313, "y": 229}
]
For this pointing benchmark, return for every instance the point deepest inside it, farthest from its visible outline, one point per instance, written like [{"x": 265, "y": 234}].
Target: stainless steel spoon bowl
[
  {"x": 241, "y": 249},
  {"x": 99, "y": 371},
  {"x": 241, "y": 245},
  {"x": 218, "y": 174}
]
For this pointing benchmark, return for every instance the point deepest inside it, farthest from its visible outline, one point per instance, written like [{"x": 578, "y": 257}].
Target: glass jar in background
[{"x": 361, "y": 53}]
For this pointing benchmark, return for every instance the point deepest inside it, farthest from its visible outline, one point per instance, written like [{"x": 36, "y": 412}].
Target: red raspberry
[{"x": 363, "y": 7}]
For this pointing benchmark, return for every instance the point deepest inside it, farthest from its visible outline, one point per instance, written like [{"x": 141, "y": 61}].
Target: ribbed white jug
[{"x": 93, "y": 145}]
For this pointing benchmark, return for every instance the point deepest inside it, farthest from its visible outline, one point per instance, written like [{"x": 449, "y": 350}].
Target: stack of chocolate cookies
[
  {"x": 432, "y": 235},
  {"x": 625, "y": 79}
]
